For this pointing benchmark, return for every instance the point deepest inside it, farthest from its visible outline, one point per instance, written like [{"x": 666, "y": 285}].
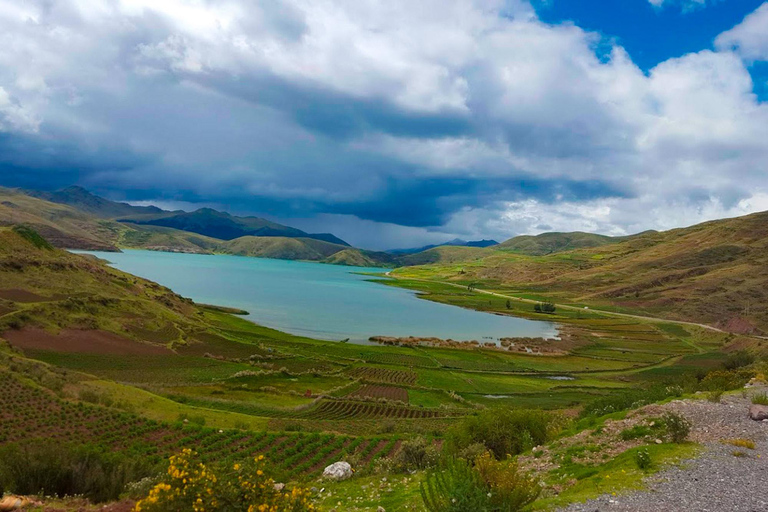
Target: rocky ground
[{"x": 724, "y": 478}]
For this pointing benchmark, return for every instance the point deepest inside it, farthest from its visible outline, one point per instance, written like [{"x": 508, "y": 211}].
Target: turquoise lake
[{"x": 317, "y": 300}]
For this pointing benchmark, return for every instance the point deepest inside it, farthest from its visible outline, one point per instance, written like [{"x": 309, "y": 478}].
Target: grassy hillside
[
  {"x": 62, "y": 225},
  {"x": 550, "y": 243},
  {"x": 715, "y": 273},
  {"x": 445, "y": 254},
  {"x": 281, "y": 248}
]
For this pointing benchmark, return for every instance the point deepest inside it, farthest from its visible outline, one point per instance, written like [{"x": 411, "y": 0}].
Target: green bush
[
  {"x": 544, "y": 307},
  {"x": 643, "y": 458},
  {"x": 738, "y": 360},
  {"x": 726, "y": 380},
  {"x": 503, "y": 432},
  {"x": 54, "y": 469},
  {"x": 714, "y": 396},
  {"x": 417, "y": 453},
  {"x": 489, "y": 485},
  {"x": 678, "y": 427}
]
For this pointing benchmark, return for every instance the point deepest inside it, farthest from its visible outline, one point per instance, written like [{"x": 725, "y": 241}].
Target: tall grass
[{"x": 54, "y": 469}]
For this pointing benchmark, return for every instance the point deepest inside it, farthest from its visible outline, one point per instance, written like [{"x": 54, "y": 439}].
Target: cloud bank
[{"x": 386, "y": 122}]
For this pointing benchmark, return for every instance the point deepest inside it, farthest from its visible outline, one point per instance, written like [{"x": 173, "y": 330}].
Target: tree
[{"x": 509, "y": 304}]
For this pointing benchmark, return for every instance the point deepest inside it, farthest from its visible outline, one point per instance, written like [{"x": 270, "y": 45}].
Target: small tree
[{"x": 509, "y": 304}]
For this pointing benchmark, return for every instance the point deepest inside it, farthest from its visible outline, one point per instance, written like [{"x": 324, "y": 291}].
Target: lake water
[{"x": 317, "y": 300}]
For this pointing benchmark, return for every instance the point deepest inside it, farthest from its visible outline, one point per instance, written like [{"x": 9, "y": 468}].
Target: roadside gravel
[{"x": 723, "y": 478}]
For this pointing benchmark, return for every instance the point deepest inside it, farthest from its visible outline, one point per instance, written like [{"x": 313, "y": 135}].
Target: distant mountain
[
  {"x": 456, "y": 242},
  {"x": 83, "y": 200},
  {"x": 205, "y": 221},
  {"x": 550, "y": 243},
  {"x": 222, "y": 225}
]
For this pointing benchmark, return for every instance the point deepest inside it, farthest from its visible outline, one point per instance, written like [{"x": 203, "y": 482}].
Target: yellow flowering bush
[{"x": 191, "y": 486}]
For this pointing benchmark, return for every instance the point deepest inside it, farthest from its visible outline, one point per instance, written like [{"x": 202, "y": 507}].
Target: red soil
[
  {"x": 17, "y": 295},
  {"x": 81, "y": 341}
]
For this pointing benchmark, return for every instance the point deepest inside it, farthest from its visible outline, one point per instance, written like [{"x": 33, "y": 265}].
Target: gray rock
[
  {"x": 758, "y": 412},
  {"x": 338, "y": 471}
]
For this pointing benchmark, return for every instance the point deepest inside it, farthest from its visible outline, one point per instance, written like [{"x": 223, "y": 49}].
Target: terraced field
[
  {"x": 386, "y": 375},
  {"x": 28, "y": 412},
  {"x": 385, "y": 392}
]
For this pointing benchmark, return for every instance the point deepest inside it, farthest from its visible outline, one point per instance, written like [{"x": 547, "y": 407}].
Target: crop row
[
  {"x": 344, "y": 409},
  {"x": 374, "y": 391},
  {"x": 28, "y": 413},
  {"x": 384, "y": 375}
]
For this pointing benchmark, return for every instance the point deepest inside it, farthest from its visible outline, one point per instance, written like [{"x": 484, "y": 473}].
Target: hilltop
[{"x": 551, "y": 243}]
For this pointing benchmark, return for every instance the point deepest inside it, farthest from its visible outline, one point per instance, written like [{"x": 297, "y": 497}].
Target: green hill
[
  {"x": 282, "y": 248},
  {"x": 550, "y": 243},
  {"x": 62, "y": 225},
  {"x": 715, "y": 273},
  {"x": 445, "y": 254}
]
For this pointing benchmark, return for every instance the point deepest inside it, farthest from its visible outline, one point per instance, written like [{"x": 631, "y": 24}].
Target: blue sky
[{"x": 394, "y": 123}]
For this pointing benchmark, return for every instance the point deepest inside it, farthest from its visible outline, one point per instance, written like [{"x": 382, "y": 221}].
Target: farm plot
[
  {"x": 29, "y": 413},
  {"x": 386, "y": 392},
  {"x": 385, "y": 375},
  {"x": 347, "y": 409}
]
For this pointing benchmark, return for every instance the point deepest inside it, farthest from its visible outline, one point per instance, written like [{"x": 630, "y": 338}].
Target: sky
[{"x": 395, "y": 123}]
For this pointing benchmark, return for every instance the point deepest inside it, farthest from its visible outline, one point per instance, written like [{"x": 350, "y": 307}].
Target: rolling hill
[
  {"x": 550, "y": 243},
  {"x": 62, "y": 225},
  {"x": 715, "y": 273}
]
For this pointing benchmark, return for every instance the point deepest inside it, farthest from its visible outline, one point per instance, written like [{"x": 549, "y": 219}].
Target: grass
[
  {"x": 618, "y": 475},
  {"x": 740, "y": 443},
  {"x": 760, "y": 399}
]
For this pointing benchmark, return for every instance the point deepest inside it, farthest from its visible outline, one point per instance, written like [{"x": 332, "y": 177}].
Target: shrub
[
  {"x": 738, "y": 360},
  {"x": 489, "y": 485},
  {"x": 503, "y": 432},
  {"x": 760, "y": 399},
  {"x": 627, "y": 399},
  {"x": 678, "y": 427},
  {"x": 417, "y": 453},
  {"x": 726, "y": 380},
  {"x": 51, "y": 468},
  {"x": 714, "y": 396},
  {"x": 643, "y": 458},
  {"x": 190, "y": 485},
  {"x": 635, "y": 432},
  {"x": 544, "y": 307},
  {"x": 741, "y": 443}
]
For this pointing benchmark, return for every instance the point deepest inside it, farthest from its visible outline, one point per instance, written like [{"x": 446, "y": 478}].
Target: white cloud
[
  {"x": 217, "y": 98},
  {"x": 750, "y": 38}
]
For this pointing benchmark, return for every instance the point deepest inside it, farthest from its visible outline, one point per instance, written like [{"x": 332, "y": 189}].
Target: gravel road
[{"x": 718, "y": 480}]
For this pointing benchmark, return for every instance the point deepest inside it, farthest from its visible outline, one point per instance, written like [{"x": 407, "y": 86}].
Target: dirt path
[{"x": 723, "y": 478}]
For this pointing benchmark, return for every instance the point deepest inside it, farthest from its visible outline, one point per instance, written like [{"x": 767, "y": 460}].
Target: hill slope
[
  {"x": 62, "y": 225},
  {"x": 550, "y": 243},
  {"x": 715, "y": 273}
]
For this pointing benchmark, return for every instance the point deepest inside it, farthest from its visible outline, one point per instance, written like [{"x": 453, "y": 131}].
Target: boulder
[
  {"x": 338, "y": 471},
  {"x": 758, "y": 412}
]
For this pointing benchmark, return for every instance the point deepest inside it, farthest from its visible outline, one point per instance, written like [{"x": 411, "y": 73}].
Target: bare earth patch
[{"x": 81, "y": 341}]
